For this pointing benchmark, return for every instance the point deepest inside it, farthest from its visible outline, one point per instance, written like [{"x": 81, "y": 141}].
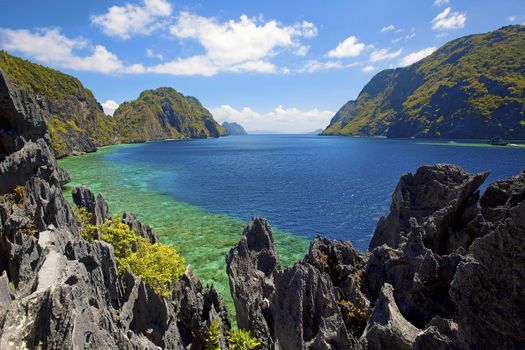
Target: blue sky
[{"x": 270, "y": 65}]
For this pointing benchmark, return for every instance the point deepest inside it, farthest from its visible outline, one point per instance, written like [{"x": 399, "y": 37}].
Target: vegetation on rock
[
  {"x": 165, "y": 113},
  {"x": 157, "y": 265},
  {"x": 472, "y": 87},
  {"x": 77, "y": 122}
]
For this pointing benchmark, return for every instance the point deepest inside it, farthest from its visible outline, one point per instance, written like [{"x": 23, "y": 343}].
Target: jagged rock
[
  {"x": 63, "y": 176},
  {"x": 344, "y": 264},
  {"x": 5, "y": 298},
  {"x": 141, "y": 229},
  {"x": 295, "y": 308},
  {"x": 435, "y": 196},
  {"x": 250, "y": 267},
  {"x": 489, "y": 288},
  {"x": 439, "y": 334},
  {"x": 305, "y": 311},
  {"x": 84, "y": 198},
  {"x": 387, "y": 328},
  {"x": 67, "y": 293}
]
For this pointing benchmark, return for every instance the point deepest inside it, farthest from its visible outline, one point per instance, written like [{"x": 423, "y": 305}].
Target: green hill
[
  {"x": 472, "y": 87},
  {"x": 75, "y": 120},
  {"x": 165, "y": 113}
]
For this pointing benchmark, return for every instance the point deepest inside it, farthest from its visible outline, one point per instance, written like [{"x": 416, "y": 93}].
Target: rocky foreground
[{"x": 445, "y": 269}]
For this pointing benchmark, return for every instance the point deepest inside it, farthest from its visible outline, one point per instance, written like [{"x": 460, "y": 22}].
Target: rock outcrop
[
  {"x": 293, "y": 308},
  {"x": 59, "y": 291},
  {"x": 445, "y": 270},
  {"x": 233, "y": 128}
]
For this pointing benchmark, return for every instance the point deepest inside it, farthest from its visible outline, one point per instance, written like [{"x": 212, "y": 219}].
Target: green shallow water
[{"x": 202, "y": 238}]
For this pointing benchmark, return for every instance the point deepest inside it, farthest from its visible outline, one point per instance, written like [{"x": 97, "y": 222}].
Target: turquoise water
[{"x": 199, "y": 194}]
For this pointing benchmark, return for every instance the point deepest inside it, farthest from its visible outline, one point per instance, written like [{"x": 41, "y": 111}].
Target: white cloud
[
  {"x": 449, "y": 20},
  {"x": 367, "y": 69},
  {"x": 49, "y": 46},
  {"x": 291, "y": 120},
  {"x": 151, "y": 53},
  {"x": 302, "y": 50},
  {"x": 109, "y": 107},
  {"x": 438, "y": 3},
  {"x": 125, "y": 21},
  {"x": 384, "y": 54},
  {"x": 416, "y": 56},
  {"x": 388, "y": 28},
  {"x": 315, "y": 66},
  {"x": 512, "y": 18},
  {"x": 235, "y": 46},
  {"x": 350, "y": 47}
]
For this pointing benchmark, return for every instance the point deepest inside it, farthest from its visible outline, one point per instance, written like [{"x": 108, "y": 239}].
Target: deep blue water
[{"x": 307, "y": 185}]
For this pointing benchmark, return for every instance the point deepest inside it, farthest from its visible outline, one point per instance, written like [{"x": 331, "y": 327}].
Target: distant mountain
[
  {"x": 233, "y": 129},
  {"x": 165, "y": 113},
  {"x": 472, "y": 87},
  {"x": 315, "y": 132}
]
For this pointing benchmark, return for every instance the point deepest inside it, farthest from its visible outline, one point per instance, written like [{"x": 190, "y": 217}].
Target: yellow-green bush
[
  {"x": 156, "y": 264},
  {"x": 243, "y": 340},
  {"x": 87, "y": 230},
  {"x": 212, "y": 338}
]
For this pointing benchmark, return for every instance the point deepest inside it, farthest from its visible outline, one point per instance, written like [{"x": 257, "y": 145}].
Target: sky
[{"x": 270, "y": 65}]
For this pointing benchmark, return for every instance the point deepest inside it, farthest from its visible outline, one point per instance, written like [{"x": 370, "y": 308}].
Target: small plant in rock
[
  {"x": 243, "y": 340},
  {"x": 212, "y": 338},
  {"x": 353, "y": 316}
]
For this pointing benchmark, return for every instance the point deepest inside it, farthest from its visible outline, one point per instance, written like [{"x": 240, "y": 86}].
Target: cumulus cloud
[
  {"x": 350, "y": 47},
  {"x": 126, "y": 21},
  {"x": 292, "y": 120},
  {"x": 388, "y": 28},
  {"x": 48, "y": 45},
  {"x": 384, "y": 54},
  {"x": 109, "y": 107},
  {"x": 438, "y": 3},
  {"x": 236, "y": 46},
  {"x": 416, "y": 56},
  {"x": 368, "y": 69},
  {"x": 512, "y": 19},
  {"x": 449, "y": 20}
]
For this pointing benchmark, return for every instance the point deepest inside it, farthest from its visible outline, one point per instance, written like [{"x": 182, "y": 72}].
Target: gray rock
[
  {"x": 139, "y": 228},
  {"x": 434, "y": 196},
  {"x": 250, "y": 267},
  {"x": 387, "y": 328},
  {"x": 98, "y": 207},
  {"x": 295, "y": 308},
  {"x": 489, "y": 288},
  {"x": 68, "y": 293}
]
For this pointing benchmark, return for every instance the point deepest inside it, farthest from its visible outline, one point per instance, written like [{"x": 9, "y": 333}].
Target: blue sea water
[{"x": 306, "y": 185}]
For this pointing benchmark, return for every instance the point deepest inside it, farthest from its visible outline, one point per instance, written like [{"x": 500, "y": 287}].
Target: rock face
[
  {"x": 445, "y": 270},
  {"x": 465, "y": 89},
  {"x": 294, "y": 308},
  {"x": 57, "y": 290},
  {"x": 233, "y": 129}
]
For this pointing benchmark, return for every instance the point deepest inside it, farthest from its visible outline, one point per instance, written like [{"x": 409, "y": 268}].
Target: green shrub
[
  {"x": 212, "y": 338},
  {"x": 88, "y": 231},
  {"x": 157, "y": 265},
  {"x": 243, "y": 340}
]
